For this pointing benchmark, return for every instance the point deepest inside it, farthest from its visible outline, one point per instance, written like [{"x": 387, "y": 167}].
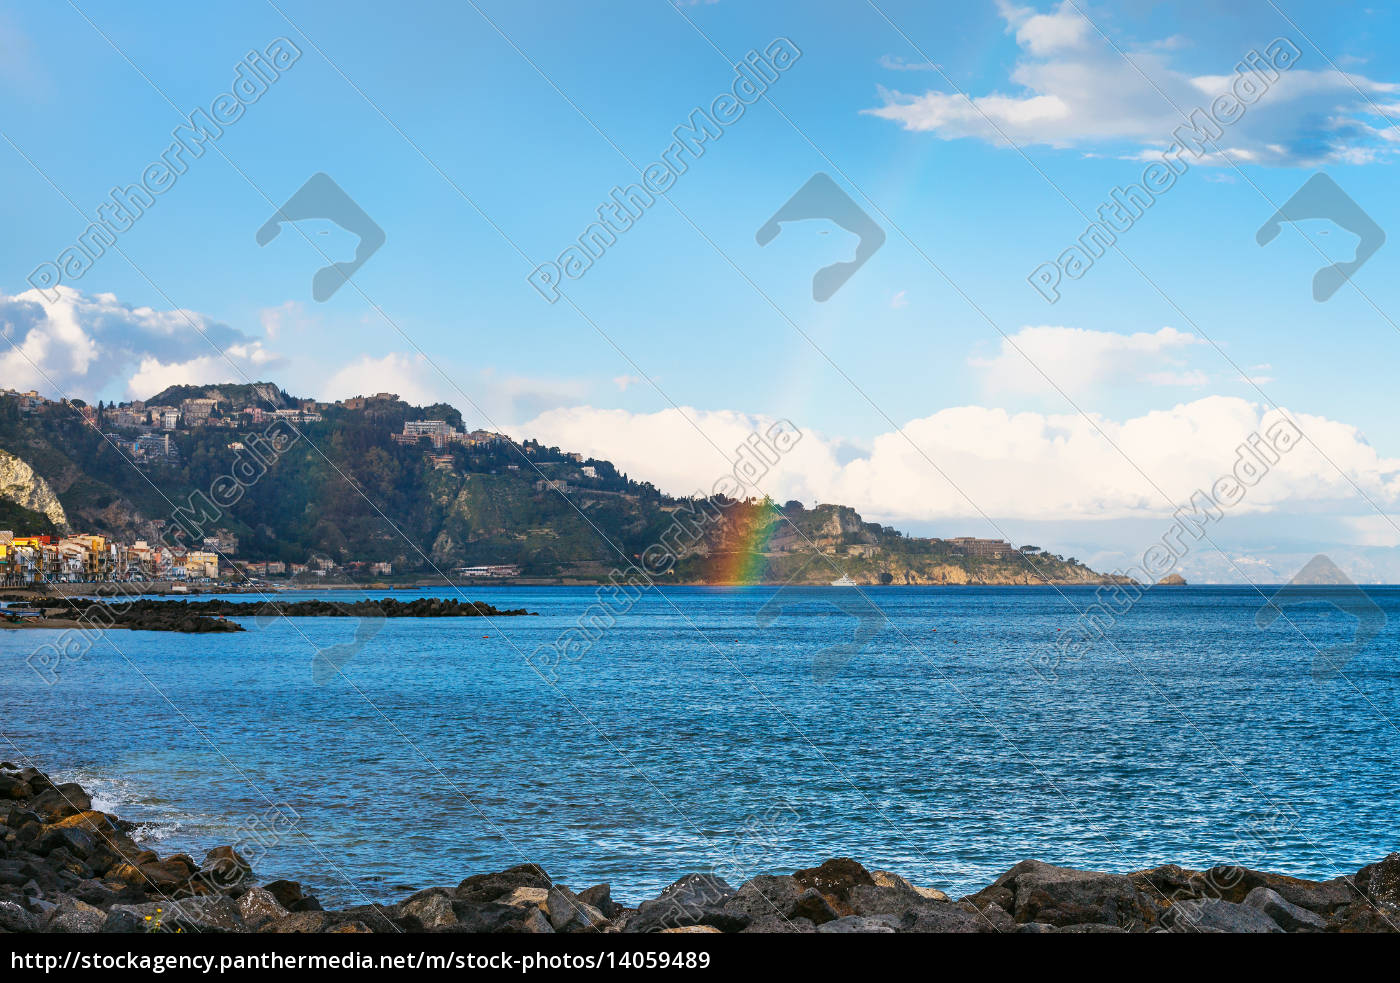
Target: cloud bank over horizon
[
  {"x": 79, "y": 344},
  {"x": 954, "y": 470},
  {"x": 966, "y": 462}
]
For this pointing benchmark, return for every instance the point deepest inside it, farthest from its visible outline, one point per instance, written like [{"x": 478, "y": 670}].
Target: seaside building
[
  {"x": 986, "y": 549},
  {"x": 201, "y": 565},
  {"x": 489, "y": 570}
]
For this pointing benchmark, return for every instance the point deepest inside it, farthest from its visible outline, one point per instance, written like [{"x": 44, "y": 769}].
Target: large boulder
[
  {"x": 428, "y": 910},
  {"x": 1229, "y": 882},
  {"x": 1286, "y": 915},
  {"x": 75, "y": 917},
  {"x": 490, "y": 887},
  {"x": 569, "y": 914},
  {"x": 1380, "y": 882},
  {"x": 600, "y": 897},
  {"x": 1363, "y": 916},
  {"x": 351, "y": 927},
  {"x": 289, "y": 895},
  {"x": 15, "y": 918},
  {"x": 223, "y": 868},
  {"x": 205, "y": 914},
  {"x": 695, "y": 899},
  {"x": 524, "y": 897},
  {"x": 883, "y": 878},
  {"x": 1213, "y": 916},
  {"x": 95, "y": 822},
  {"x": 297, "y": 923},
  {"x": 835, "y": 879},
  {"x": 14, "y": 787},
  {"x": 535, "y": 923},
  {"x": 1033, "y": 891},
  {"x": 492, "y": 916},
  {"x": 257, "y": 906},
  {"x": 910, "y": 911},
  {"x": 854, "y": 924},
  {"x": 166, "y": 876},
  {"x": 60, "y": 802},
  {"x": 770, "y": 904},
  {"x": 378, "y": 918},
  {"x": 121, "y": 921}
]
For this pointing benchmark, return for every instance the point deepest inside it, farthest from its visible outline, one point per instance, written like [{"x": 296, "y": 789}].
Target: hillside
[{"x": 351, "y": 489}]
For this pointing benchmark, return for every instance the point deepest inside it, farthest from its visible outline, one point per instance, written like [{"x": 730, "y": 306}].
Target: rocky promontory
[{"x": 68, "y": 868}]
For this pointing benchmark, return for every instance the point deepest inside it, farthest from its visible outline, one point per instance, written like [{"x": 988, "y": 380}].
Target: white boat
[{"x": 843, "y": 581}]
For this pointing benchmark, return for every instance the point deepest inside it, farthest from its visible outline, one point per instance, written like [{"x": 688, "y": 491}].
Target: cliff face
[
  {"x": 20, "y": 485},
  {"x": 901, "y": 570}
]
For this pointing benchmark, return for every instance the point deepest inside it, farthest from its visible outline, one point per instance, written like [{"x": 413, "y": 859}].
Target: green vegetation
[
  {"x": 347, "y": 491},
  {"x": 23, "y": 521}
]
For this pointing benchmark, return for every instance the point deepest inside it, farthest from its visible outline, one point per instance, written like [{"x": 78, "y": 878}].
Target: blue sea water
[{"x": 695, "y": 734}]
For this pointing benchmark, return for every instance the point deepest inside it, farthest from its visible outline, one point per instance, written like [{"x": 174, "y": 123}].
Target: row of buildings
[
  {"x": 29, "y": 560},
  {"x": 27, "y": 402},
  {"x": 190, "y": 413},
  {"x": 442, "y": 435}
]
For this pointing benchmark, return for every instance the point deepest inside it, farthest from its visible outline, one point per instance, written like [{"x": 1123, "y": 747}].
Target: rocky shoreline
[
  {"x": 195, "y": 617},
  {"x": 67, "y": 868}
]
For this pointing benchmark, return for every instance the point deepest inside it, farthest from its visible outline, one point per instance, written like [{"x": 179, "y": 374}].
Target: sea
[{"x": 943, "y": 733}]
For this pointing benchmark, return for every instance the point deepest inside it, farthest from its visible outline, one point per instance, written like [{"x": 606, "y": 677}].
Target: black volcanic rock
[{"x": 66, "y": 868}]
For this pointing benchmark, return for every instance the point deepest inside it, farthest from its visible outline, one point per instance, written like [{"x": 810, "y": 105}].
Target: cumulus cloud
[
  {"x": 1079, "y": 359},
  {"x": 1028, "y": 466},
  {"x": 505, "y": 399},
  {"x": 79, "y": 344},
  {"x": 1072, "y": 88},
  {"x": 153, "y": 375}
]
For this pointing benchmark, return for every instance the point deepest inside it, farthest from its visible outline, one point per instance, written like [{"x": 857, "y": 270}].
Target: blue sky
[{"x": 534, "y": 112}]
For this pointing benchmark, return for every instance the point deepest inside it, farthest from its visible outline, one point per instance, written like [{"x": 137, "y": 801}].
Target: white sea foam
[{"x": 156, "y": 819}]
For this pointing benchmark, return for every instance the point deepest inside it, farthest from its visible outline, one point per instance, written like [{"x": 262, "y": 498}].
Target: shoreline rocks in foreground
[{"x": 67, "y": 868}]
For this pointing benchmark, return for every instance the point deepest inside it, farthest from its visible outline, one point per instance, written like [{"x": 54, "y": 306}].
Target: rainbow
[{"x": 745, "y": 563}]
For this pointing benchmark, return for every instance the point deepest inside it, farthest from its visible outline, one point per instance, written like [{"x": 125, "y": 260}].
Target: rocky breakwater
[{"x": 68, "y": 868}]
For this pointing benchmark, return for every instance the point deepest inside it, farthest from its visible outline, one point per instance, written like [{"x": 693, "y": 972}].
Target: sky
[{"x": 978, "y": 373}]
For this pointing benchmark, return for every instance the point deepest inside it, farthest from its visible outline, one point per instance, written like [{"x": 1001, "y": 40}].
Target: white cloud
[
  {"x": 1079, "y": 359},
  {"x": 408, "y": 375},
  {"x": 896, "y": 64},
  {"x": 899, "y": 300},
  {"x": 503, "y": 399},
  {"x": 1029, "y": 466},
  {"x": 80, "y": 343},
  {"x": 152, "y": 376},
  {"x": 1075, "y": 89},
  {"x": 276, "y": 320},
  {"x": 1045, "y": 34}
]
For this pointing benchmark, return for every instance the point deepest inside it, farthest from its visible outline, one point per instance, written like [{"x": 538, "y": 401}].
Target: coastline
[
  {"x": 106, "y": 589},
  {"x": 66, "y": 867}
]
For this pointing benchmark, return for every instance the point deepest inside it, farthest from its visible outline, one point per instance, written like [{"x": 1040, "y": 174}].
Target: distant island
[
  {"x": 222, "y": 485},
  {"x": 1172, "y": 580}
]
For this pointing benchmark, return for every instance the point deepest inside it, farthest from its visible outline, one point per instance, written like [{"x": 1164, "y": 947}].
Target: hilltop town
[{"x": 240, "y": 483}]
